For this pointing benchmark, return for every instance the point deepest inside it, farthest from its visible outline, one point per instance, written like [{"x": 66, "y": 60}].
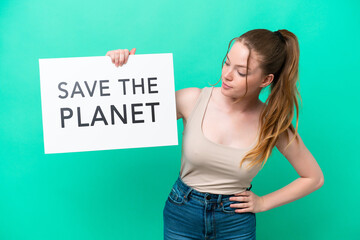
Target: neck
[{"x": 246, "y": 104}]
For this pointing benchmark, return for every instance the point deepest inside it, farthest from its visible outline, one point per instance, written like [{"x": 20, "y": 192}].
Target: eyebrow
[{"x": 237, "y": 64}]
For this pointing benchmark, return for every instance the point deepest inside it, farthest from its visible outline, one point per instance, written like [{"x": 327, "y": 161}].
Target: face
[{"x": 234, "y": 73}]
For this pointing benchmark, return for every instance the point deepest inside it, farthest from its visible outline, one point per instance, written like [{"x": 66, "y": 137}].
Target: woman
[{"x": 229, "y": 133}]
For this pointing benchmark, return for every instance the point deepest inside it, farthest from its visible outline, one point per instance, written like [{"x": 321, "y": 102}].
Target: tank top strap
[{"x": 199, "y": 108}]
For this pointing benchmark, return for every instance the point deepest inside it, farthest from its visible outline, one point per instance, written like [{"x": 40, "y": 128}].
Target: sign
[{"x": 90, "y": 104}]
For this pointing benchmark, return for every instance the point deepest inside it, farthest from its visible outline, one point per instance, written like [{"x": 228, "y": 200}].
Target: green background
[{"x": 120, "y": 194}]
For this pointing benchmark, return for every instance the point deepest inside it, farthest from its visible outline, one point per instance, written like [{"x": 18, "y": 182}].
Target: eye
[{"x": 243, "y": 75}]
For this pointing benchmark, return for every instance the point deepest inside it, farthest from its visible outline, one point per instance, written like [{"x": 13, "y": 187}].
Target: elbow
[{"x": 320, "y": 182}]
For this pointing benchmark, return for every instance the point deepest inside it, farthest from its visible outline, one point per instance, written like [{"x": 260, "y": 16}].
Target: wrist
[{"x": 263, "y": 206}]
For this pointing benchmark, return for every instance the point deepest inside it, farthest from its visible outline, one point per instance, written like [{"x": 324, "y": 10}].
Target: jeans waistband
[{"x": 187, "y": 190}]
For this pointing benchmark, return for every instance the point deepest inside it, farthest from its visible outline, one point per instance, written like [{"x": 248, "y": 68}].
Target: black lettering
[
  {"x": 79, "y": 119},
  {"x": 63, "y": 117},
  {"x": 152, "y": 109},
  {"x": 113, "y": 109},
  {"x": 64, "y": 90},
  {"x": 138, "y": 85},
  {"x": 77, "y": 85},
  {"x": 91, "y": 92},
  {"x": 123, "y": 81},
  {"x": 103, "y": 87},
  {"x": 102, "y": 118},
  {"x": 133, "y": 112},
  {"x": 149, "y": 85}
]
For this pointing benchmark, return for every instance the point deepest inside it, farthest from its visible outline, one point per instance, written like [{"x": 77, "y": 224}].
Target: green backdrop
[{"x": 120, "y": 194}]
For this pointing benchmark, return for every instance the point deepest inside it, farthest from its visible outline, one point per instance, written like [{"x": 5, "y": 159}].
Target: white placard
[{"x": 89, "y": 104}]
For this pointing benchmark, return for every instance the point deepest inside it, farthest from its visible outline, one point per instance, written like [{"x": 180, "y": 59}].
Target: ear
[{"x": 267, "y": 80}]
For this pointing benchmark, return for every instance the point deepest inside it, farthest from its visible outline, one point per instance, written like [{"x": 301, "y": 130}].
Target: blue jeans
[{"x": 189, "y": 214}]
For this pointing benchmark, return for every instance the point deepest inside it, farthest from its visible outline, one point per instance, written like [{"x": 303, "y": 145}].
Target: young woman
[{"x": 229, "y": 135}]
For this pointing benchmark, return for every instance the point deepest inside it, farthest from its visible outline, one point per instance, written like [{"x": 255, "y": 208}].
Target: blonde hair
[{"x": 279, "y": 55}]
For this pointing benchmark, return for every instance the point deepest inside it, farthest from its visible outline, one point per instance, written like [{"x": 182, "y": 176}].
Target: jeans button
[{"x": 208, "y": 197}]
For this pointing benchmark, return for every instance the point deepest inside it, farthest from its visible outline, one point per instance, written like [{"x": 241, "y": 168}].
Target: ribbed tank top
[{"x": 210, "y": 167}]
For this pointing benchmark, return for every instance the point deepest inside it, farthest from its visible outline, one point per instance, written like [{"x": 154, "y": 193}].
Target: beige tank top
[{"x": 210, "y": 167}]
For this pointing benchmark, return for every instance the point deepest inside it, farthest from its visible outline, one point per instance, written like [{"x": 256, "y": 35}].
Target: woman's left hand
[{"x": 250, "y": 202}]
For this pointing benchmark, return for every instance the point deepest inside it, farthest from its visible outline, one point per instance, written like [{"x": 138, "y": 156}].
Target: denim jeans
[{"x": 189, "y": 214}]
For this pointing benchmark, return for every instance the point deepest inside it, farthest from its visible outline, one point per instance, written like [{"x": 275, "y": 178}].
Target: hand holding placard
[{"x": 120, "y": 56}]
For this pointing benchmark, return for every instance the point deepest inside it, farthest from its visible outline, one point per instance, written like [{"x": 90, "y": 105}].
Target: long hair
[{"x": 279, "y": 55}]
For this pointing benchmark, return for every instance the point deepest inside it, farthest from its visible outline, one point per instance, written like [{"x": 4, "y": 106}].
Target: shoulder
[
  {"x": 285, "y": 138},
  {"x": 189, "y": 93},
  {"x": 185, "y": 100}
]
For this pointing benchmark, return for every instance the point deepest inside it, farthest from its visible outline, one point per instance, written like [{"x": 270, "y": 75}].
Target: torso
[
  {"x": 229, "y": 129},
  {"x": 210, "y": 159}
]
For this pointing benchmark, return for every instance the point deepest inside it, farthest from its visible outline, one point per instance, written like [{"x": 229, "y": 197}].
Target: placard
[{"x": 90, "y": 104}]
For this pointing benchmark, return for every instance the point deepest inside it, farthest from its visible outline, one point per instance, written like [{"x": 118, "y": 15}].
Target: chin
[
  {"x": 225, "y": 92},
  {"x": 230, "y": 93}
]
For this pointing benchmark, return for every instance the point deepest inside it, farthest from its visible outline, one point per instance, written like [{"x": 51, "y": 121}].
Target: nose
[{"x": 227, "y": 73}]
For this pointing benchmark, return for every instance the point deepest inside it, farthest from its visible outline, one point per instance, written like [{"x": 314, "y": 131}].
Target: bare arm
[
  {"x": 185, "y": 101},
  {"x": 311, "y": 177}
]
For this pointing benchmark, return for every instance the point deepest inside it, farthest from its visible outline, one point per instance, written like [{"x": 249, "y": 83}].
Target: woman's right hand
[{"x": 120, "y": 56}]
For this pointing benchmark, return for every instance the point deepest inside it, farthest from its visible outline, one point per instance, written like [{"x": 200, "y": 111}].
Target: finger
[
  {"x": 112, "y": 56},
  {"x": 122, "y": 57},
  {"x": 117, "y": 53},
  {"x": 235, "y": 199},
  {"x": 132, "y": 52},
  {"x": 245, "y": 193},
  {"x": 237, "y": 205},
  {"x": 243, "y": 210},
  {"x": 240, "y": 199},
  {"x": 239, "y": 195},
  {"x": 126, "y": 55}
]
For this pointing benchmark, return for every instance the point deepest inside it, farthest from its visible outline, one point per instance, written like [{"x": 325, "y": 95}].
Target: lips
[{"x": 226, "y": 85}]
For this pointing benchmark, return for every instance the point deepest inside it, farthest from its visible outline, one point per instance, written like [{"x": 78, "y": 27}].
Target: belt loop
[
  {"x": 219, "y": 198},
  {"x": 188, "y": 192}
]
